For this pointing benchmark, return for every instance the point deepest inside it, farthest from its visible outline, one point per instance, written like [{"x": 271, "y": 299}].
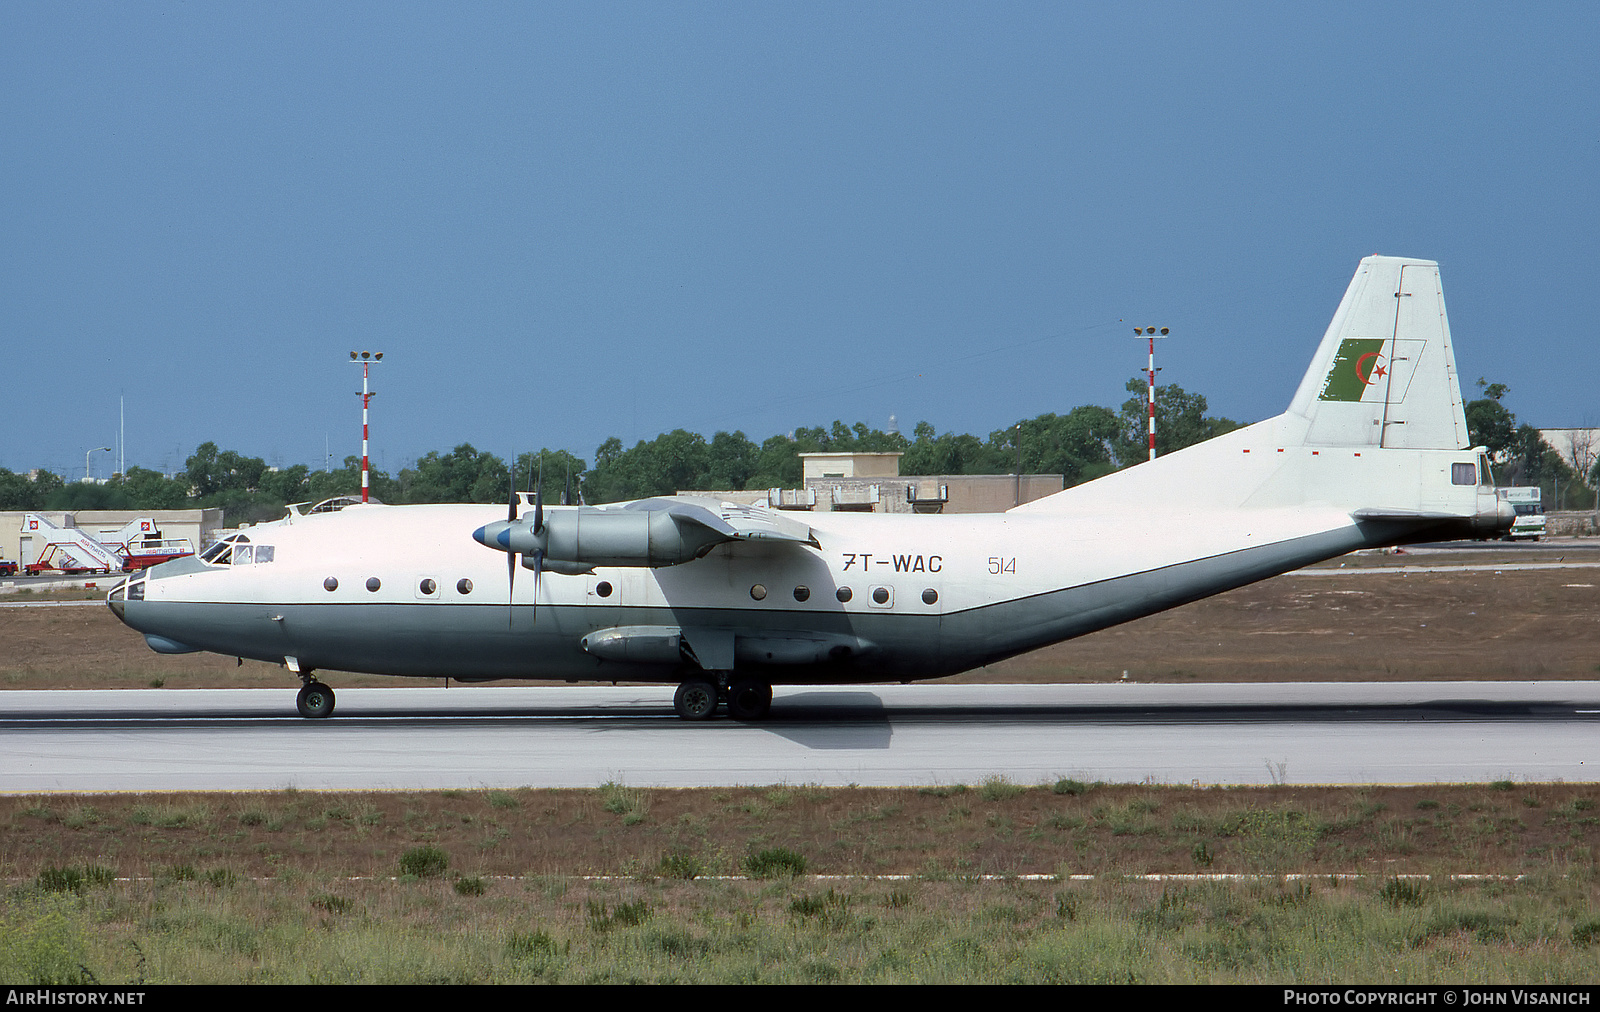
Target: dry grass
[
  {"x": 933, "y": 832},
  {"x": 297, "y": 887},
  {"x": 1382, "y": 626}
]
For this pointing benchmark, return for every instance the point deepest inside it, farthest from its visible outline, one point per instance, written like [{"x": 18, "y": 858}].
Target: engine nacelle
[{"x": 579, "y": 539}]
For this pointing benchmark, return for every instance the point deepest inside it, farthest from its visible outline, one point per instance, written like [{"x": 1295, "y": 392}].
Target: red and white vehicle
[
  {"x": 66, "y": 550},
  {"x": 73, "y": 551},
  {"x": 143, "y": 554}
]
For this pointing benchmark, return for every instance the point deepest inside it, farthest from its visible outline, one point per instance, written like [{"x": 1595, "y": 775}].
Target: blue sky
[{"x": 566, "y": 222}]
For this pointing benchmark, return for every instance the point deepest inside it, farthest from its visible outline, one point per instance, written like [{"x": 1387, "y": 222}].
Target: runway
[{"x": 472, "y": 737}]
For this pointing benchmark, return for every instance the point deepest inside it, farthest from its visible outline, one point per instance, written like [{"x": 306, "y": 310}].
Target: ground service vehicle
[{"x": 1528, "y": 502}]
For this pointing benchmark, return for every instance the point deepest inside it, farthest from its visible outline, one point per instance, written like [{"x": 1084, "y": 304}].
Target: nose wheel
[{"x": 315, "y": 701}]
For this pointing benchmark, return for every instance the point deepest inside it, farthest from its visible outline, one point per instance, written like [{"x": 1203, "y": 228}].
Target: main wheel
[
  {"x": 749, "y": 700},
  {"x": 315, "y": 700},
  {"x": 695, "y": 700}
]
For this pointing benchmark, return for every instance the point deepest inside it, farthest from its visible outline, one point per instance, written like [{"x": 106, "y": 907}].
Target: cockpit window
[
  {"x": 223, "y": 553},
  {"x": 218, "y": 554}
]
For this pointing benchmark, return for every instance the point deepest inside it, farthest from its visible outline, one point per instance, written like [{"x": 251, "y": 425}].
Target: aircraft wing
[{"x": 733, "y": 521}]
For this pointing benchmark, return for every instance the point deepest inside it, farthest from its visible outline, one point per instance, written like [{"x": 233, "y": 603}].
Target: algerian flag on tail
[
  {"x": 1372, "y": 369},
  {"x": 1385, "y": 374},
  {"x": 1359, "y": 362}
]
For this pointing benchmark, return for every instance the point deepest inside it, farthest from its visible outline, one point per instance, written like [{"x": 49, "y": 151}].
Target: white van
[{"x": 1530, "y": 512}]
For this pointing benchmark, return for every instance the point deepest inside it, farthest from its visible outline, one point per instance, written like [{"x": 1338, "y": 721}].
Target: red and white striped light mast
[
  {"x": 366, "y": 359},
  {"x": 1150, "y": 332}
]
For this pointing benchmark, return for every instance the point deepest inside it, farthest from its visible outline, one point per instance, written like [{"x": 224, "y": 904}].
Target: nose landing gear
[{"x": 315, "y": 700}]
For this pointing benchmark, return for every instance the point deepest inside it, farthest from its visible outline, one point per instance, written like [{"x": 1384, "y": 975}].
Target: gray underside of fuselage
[{"x": 485, "y": 642}]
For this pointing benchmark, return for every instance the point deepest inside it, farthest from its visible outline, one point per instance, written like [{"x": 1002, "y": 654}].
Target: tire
[
  {"x": 749, "y": 700},
  {"x": 695, "y": 699},
  {"x": 315, "y": 701}
]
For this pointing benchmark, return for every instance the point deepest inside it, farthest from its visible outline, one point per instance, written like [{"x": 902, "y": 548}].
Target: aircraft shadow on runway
[{"x": 825, "y": 719}]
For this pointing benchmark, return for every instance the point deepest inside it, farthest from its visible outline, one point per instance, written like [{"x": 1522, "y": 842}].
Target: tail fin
[{"x": 1385, "y": 373}]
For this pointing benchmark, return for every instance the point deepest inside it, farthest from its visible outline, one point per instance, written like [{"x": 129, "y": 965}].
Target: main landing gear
[{"x": 698, "y": 698}]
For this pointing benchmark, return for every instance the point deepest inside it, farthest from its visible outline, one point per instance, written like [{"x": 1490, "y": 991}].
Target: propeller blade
[
  {"x": 511, "y": 557},
  {"x": 511, "y": 512},
  {"x": 511, "y": 584},
  {"x": 538, "y": 573},
  {"x": 566, "y": 491},
  {"x": 538, "y": 500}
]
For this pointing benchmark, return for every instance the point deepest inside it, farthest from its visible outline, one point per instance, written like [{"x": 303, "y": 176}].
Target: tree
[
  {"x": 731, "y": 461},
  {"x": 211, "y": 472},
  {"x": 559, "y": 467},
  {"x": 346, "y": 480},
  {"x": 672, "y": 461},
  {"x": 19, "y": 492},
  {"x": 463, "y": 475},
  {"x": 286, "y": 485},
  {"x": 777, "y": 464},
  {"x": 1532, "y": 461},
  {"x": 1180, "y": 421},
  {"x": 1489, "y": 424},
  {"x": 152, "y": 490},
  {"x": 230, "y": 481},
  {"x": 957, "y": 453},
  {"x": 1581, "y": 452},
  {"x": 1077, "y": 445},
  {"x": 88, "y": 495}
]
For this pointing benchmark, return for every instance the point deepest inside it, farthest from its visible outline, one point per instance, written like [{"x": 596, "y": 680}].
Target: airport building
[
  {"x": 871, "y": 483},
  {"x": 199, "y": 527},
  {"x": 1577, "y": 447}
]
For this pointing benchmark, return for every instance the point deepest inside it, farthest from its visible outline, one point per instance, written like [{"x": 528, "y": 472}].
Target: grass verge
[{"x": 791, "y": 884}]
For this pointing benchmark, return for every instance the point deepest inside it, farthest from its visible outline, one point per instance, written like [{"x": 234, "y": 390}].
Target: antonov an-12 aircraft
[{"x": 727, "y": 600}]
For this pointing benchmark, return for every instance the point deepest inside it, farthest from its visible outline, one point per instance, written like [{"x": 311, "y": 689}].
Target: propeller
[
  {"x": 514, "y": 539},
  {"x": 538, "y": 529},
  {"x": 511, "y": 557}
]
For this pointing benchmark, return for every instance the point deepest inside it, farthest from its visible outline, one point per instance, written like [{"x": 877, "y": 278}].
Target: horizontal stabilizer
[{"x": 1401, "y": 516}]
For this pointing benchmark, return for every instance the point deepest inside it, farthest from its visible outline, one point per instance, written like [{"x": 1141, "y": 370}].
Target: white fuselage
[
  {"x": 405, "y": 590},
  {"x": 1373, "y": 450}
]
